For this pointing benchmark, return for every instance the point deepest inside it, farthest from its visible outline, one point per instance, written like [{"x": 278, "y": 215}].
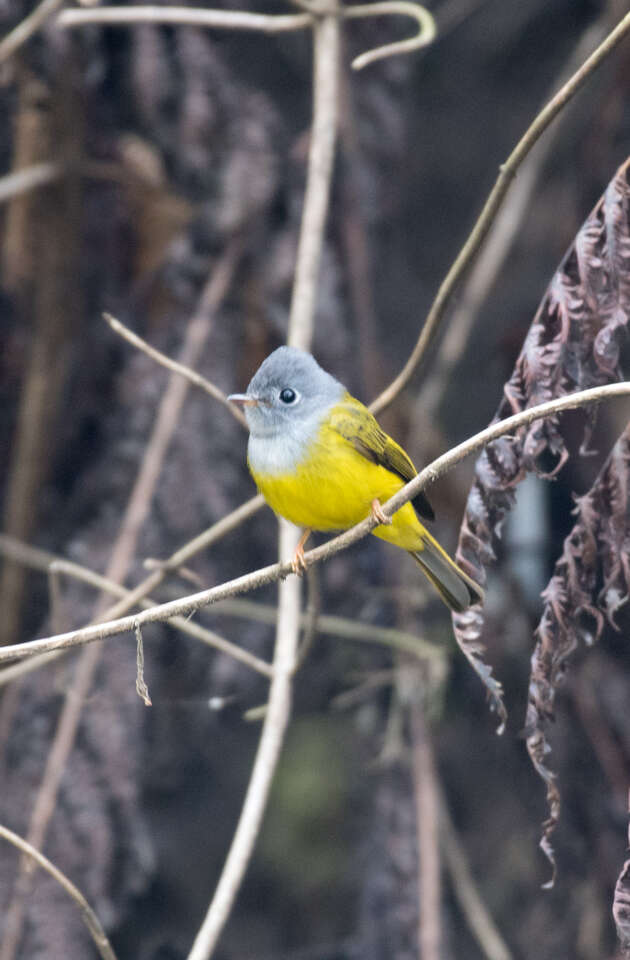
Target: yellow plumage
[
  {"x": 321, "y": 460},
  {"x": 333, "y": 487}
]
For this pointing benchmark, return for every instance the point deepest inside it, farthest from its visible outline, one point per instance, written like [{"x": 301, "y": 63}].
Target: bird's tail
[{"x": 457, "y": 589}]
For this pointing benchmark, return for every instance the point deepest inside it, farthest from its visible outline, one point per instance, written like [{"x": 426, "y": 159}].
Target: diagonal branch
[
  {"x": 88, "y": 916},
  {"x": 471, "y": 248},
  {"x": 278, "y": 571}
]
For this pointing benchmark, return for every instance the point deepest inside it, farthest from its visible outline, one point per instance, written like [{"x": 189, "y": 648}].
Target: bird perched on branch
[{"x": 321, "y": 460}]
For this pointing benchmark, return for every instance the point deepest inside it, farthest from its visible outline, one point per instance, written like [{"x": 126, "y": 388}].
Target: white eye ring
[{"x": 288, "y": 396}]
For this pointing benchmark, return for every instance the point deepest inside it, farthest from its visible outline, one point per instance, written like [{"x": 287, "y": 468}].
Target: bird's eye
[{"x": 288, "y": 396}]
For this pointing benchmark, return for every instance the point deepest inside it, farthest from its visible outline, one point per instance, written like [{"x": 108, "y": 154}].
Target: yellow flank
[{"x": 333, "y": 487}]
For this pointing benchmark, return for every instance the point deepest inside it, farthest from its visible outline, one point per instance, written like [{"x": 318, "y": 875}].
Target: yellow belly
[{"x": 333, "y": 489}]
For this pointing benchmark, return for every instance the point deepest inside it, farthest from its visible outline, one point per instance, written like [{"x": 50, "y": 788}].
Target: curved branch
[
  {"x": 188, "y": 373},
  {"x": 279, "y": 571},
  {"x": 425, "y": 35},
  {"x": 88, "y": 916},
  {"x": 507, "y": 173},
  {"x": 263, "y": 22}
]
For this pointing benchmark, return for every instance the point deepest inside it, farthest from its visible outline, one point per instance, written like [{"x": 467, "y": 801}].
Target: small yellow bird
[{"x": 321, "y": 460}]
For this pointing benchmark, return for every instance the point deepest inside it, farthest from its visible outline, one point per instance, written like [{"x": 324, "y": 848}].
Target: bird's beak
[{"x": 244, "y": 399}]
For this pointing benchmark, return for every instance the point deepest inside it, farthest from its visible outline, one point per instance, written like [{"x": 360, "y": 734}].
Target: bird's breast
[{"x": 325, "y": 484}]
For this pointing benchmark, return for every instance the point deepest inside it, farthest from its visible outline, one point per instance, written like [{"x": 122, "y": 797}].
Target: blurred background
[{"x": 173, "y": 157}]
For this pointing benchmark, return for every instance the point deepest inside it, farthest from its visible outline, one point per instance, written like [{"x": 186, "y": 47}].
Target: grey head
[
  {"x": 285, "y": 403},
  {"x": 288, "y": 393}
]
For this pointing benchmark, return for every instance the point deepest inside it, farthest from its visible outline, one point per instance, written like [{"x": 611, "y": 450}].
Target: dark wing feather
[{"x": 356, "y": 424}]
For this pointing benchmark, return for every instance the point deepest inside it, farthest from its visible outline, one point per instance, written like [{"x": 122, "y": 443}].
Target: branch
[
  {"x": 186, "y": 16},
  {"x": 507, "y": 173},
  {"x": 267, "y": 755},
  {"x": 27, "y": 27},
  {"x": 425, "y": 35},
  {"x": 277, "y": 571},
  {"x": 320, "y": 162},
  {"x": 192, "y": 376},
  {"x": 476, "y": 914},
  {"x": 264, "y": 22},
  {"x": 88, "y": 916},
  {"x": 132, "y": 597},
  {"x": 334, "y": 626},
  {"x": 28, "y": 178},
  {"x": 49, "y": 563}
]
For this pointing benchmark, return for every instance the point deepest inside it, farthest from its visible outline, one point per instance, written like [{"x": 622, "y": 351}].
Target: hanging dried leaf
[
  {"x": 591, "y": 580},
  {"x": 621, "y": 903},
  {"x": 572, "y": 344}
]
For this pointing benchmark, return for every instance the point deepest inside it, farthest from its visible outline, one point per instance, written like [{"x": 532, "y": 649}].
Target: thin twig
[
  {"x": 27, "y": 27},
  {"x": 495, "y": 251},
  {"x": 479, "y": 920},
  {"x": 138, "y": 594},
  {"x": 424, "y": 36},
  {"x": 28, "y": 178},
  {"x": 184, "y": 371},
  {"x": 278, "y": 571},
  {"x": 427, "y": 819},
  {"x": 333, "y": 626},
  {"x": 186, "y": 16},
  {"x": 88, "y": 916},
  {"x": 310, "y": 618},
  {"x": 506, "y": 175},
  {"x": 263, "y": 22}
]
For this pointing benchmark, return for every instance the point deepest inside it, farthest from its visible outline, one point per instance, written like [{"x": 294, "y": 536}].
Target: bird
[{"x": 322, "y": 461}]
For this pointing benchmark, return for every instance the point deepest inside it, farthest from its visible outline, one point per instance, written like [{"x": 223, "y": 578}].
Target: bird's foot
[
  {"x": 377, "y": 512},
  {"x": 298, "y": 563}
]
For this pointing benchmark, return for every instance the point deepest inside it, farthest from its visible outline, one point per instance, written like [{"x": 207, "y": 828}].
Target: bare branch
[
  {"x": 321, "y": 154},
  {"x": 320, "y": 162},
  {"x": 340, "y": 627},
  {"x": 44, "y": 561},
  {"x": 186, "y": 16},
  {"x": 27, "y": 27},
  {"x": 88, "y": 916},
  {"x": 479, "y": 920},
  {"x": 191, "y": 375},
  {"x": 334, "y": 626},
  {"x": 130, "y": 598},
  {"x": 265, "y": 23},
  {"x": 426, "y": 796},
  {"x": 507, "y": 173},
  {"x": 425, "y": 35},
  {"x": 28, "y": 178},
  {"x": 277, "y": 571},
  {"x": 271, "y": 740}
]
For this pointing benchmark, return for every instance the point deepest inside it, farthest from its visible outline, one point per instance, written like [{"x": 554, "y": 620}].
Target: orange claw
[
  {"x": 298, "y": 563},
  {"x": 377, "y": 512}
]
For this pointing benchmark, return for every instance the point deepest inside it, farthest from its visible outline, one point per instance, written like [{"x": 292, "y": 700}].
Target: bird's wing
[{"x": 355, "y": 423}]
